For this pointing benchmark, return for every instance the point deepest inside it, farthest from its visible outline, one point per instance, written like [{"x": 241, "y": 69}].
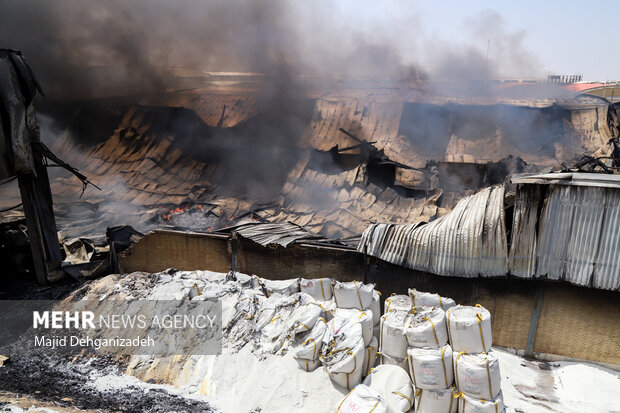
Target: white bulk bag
[
  {"x": 375, "y": 307},
  {"x": 431, "y": 368},
  {"x": 339, "y": 325},
  {"x": 344, "y": 363},
  {"x": 434, "y": 401},
  {"x": 477, "y": 375},
  {"x": 265, "y": 316},
  {"x": 353, "y": 294},
  {"x": 303, "y": 318},
  {"x": 394, "y": 384},
  {"x": 283, "y": 287},
  {"x": 248, "y": 306},
  {"x": 469, "y": 329},
  {"x": 392, "y": 342},
  {"x": 210, "y": 276},
  {"x": 328, "y": 308},
  {"x": 307, "y": 355},
  {"x": 272, "y": 335},
  {"x": 211, "y": 291},
  {"x": 469, "y": 404},
  {"x": 244, "y": 280},
  {"x": 363, "y": 399},
  {"x": 398, "y": 303},
  {"x": 395, "y": 361},
  {"x": 270, "y": 324},
  {"x": 319, "y": 288},
  {"x": 426, "y": 328},
  {"x": 362, "y": 317},
  {"x": 343, "y": 351},
  {"x": 422, "y": 299},
  {"x": 308, "y": 365},
  {"x": 370, "y": 356}
]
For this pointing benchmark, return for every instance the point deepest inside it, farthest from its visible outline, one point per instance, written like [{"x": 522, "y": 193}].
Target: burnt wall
[
  {"x": 160, "y": 250},
  {"x": 309, "y": 261},
  {"x": 576, "y": 322}
]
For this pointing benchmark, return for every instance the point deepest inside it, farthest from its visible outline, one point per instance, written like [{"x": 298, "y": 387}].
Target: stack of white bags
[
  {"x": 445, "y": 348},
  {"x": 476, "y": 368},
  {"x": 342, "y": 338},
  {"x": 435, "y": 356},
  {"x": 429, "y": 355}
]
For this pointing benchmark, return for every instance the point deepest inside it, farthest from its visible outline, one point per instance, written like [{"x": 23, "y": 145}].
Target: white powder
[
  {"x": 239, "y": 382},
  {"x": 569, "y": 388}
]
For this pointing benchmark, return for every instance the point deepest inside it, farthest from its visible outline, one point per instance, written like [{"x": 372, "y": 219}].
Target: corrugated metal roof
[
  {"x": 283, "y": 233},
  {"x": 569, "y": 178},
  {"x": 467, "y": 242}
]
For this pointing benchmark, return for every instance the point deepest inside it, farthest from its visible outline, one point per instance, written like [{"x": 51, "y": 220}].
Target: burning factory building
[{"x": 295, "y": 194}]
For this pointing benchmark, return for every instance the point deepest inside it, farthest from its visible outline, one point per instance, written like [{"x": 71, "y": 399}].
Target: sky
[{"x": 564, "y": 37}]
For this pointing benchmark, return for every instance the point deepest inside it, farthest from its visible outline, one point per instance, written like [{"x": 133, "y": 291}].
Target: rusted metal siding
[
  {"x": 522, "y": 258},
  {"x": 467, "y": 242},
  {"x": 559, "y": 231},
  {"x": 579, "y": 236},
  {"x": 607, "y": 268}
]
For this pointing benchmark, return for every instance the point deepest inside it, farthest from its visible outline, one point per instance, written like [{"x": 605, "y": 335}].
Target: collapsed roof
[
  {"x": 564, "y": 227},
  {"x": 211, "y": 147}
]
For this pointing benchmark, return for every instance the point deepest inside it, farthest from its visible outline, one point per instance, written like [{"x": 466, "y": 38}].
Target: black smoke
[{"x": 85, "y": 49}]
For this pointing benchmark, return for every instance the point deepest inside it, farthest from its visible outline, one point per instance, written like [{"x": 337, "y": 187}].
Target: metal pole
[{"x": 531, "y": 335}]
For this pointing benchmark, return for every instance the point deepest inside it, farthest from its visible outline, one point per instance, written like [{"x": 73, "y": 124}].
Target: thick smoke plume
[
  {"x": 92, "y": 49},
  {"x": 83, "y": 49}
]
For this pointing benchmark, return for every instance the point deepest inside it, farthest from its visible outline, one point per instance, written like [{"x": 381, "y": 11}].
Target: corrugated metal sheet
[
  {"x": 283, "y": 233},
  {"x": 467, "y": 242},
  {"x": 522, "y": 258},
  {"x": 569, "y": 178},
  {"x": 578, "y": 238},
  {"x": 560, "y": 232},
  {"x": 607, "y": 268}
]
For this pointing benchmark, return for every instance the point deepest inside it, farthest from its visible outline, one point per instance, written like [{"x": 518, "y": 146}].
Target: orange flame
[{"x": 177, "y": 210}]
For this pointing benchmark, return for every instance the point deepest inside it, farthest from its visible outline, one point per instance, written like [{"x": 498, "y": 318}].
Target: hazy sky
[{"x": 564, "y": 37}]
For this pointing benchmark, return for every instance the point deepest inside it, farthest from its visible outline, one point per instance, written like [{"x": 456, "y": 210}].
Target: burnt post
[{"x": 19, "y": 135}]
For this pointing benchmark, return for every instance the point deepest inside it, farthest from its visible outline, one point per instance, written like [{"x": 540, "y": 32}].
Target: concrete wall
[{"x": 575, "y": 322}]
